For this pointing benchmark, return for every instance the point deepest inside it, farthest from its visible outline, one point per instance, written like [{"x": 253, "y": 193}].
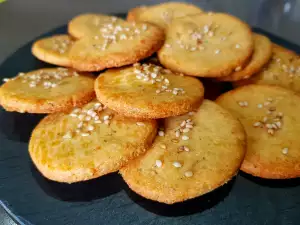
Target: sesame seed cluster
[
  {"x": 154, "y": 74},
  {"x": 114, "y": 31},
  {"x": 181, "y": 132},
  {"x": 61, "y": 45},
  {"x": 88, "y": 118}
]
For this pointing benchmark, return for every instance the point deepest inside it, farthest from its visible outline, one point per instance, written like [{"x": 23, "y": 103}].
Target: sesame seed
[
  {"x": 285, "y": 151},
  {"x": 177, "y": 164},
  {"x": 140, "y": 124},
  {"x": 238, "y": 68},
  {"x": 185, "y": 138},
  {"x": 265, "y": 119},
  {"x": 267, "y": 103},
  {"x": 163, "y": 146},
  {"x": 88, "y": 118},
  {"x": 90, "y": 128},
  {"x": 269, "y": 126},
  {"x": 68, "y": 135},
  {"x": 259, "y": 106},
  {"x": 270, "y": 131},
  {"x": 106, "y": 117},
  {"x": 167, "y": 45},
  {"x": 98, "y": 121},
  {"x": 217, "y": 51},
  {"x": 158, "y": 163},
  {"x": 278, "y": 124},
  {"x": 161, "y": 133},
  {"x": 237, "y": 46},
  {"x": 106, "y": 122},
  {"x": 5, "y": 79},
  {"x": 177, "y": 133},
  {"x": 85, "y": 134},
  {"x": 80, "y": 124},
  {"x": 183, "y": 123},
  {"x": 80, "y": 117},
  {"x": 188, "y": 173},
  {"x": 191, "y": 113},
  {"x": 157, "y": 91},
  {"x": 257, "y": 124},
  {"x": 189, "y": 126},
  {"x": 280, "y": 114},
  {"x": 185, "y": 130},
  {"x": 186, "y": 149},
  {"x": 73, "y": 115}
]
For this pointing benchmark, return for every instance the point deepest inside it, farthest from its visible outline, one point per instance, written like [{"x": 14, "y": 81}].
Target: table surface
[{"x": 21, "y": 21}]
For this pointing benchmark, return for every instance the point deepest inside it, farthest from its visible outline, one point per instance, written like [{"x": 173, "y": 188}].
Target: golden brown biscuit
[
  {"x": 261, "y": 56},
  {"x": 162, "y": 14},
  {"x": 206, "y": 45},
  {"x": 195, "y": 154},
  {"x": 54, "y": 50},
  {"x": 89, "y": 25},
  {"x": 87, "y": 143},
  {"x": 148, "y": 91},
  {"x": 283, "y": 70},
  {"x": 119, "y": 43},
  {"x": 47, "y": 90},
  {"x": 270, "y": 116}
]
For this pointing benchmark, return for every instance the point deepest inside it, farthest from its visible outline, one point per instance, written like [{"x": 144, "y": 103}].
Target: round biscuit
[
  {"x": 53, "y": 50},
  {"x": 270, "y": 116},
  {"x": 162, "y": 14},
  {"x": 120, "y": 43},
  {"x": 87, "y": 143},
  {"x": 282, "y": 70},
  {"x": 47, "y": 90},
  {"x": 148, "y": 91},
  {"x": 206, "y": 45},
  {"x": 176, "y": 169},
  {"x": 261, "y": 55}
]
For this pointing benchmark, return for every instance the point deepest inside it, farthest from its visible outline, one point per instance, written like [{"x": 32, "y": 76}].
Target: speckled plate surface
[{"x": 107, "y": 200}]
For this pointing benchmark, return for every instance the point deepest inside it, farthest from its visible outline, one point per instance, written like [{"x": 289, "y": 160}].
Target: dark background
[{"x": 244, "y": 201}]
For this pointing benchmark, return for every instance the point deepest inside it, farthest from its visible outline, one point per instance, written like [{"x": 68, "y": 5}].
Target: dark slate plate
[{"x": 107, "y": 200}]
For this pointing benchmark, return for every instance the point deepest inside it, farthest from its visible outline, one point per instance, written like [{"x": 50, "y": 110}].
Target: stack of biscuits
[{"x": 145, "y": 114}]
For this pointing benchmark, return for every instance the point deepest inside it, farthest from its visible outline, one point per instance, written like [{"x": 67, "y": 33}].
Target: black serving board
[{"x": 31, "y": 199}]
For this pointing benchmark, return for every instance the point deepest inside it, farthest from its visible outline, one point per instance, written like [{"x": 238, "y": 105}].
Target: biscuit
[
  {"x": 270, "y": 116},
  {"x": 283, "y": 70},
  {"x": 195, "y": 154},
  {"x": 47, "y": 90},
  {"x": 86, "y": 25},
  {"x": 120, "y": 43},
  {"x": 87, "y": 143},
  {"x": 261, "y": 55},
  {"x": 206, "y": 45},
  {"x": 148, "y": 91},
  {"x": 162, "y": 14},
  {"x": 53, "y": 50}
]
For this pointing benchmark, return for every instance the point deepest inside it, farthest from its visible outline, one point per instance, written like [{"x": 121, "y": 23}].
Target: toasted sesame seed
[
  {"x": 85, "y": 134},
  {"x": 265, "y": 119},
  {"x": 267, "y": 103},
  {"x": 81, "y": 117},
  {"x": 185, "y": 130},
  {"x": 270, "y": 131},
  {"x": 238, "y": 68},
  {"x": 280, "y": 114},
  {"x": 188, "y": 173},
  {"x": 177, "y": 133},
  {"x": 68, "y": 135},
  {"x": 269, "y": 126},
  {"x": 278, "y": 124},
  {"x": 177, "y": 164},
  {"x": 191, "y": 113},
  {"x": 106, "y": 117},
  {"x": 157, "y": 91},
  {"x": 163, "y": 146},
  {"x": 237, "y": 46},
  {"x": 285, "y": 151},
  {"x": 88, "y": 118},
  {"x": 217, "y": 51},
  {"x": 185, "y": 138},
  {"x": 183, "y": 123},
  {"x": 90, "y": 128},
  {"x": 5, "y": 79},
  {"x": 161, "y": 133},
  {"x": 158, "y": 163},
  {"x": 80, "y": 124},
  {"x": 186, "y": 149},
  {"x": 98, "y": 121},
  {"x": 189, "y": 126},
  {"x": 140, "y": 124},
  {"x": 167, "y": 45},
  {"x": 256, "y": 124},
  {"x": 106, "y": 122},
  {"x": 73, "y": 115}
]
